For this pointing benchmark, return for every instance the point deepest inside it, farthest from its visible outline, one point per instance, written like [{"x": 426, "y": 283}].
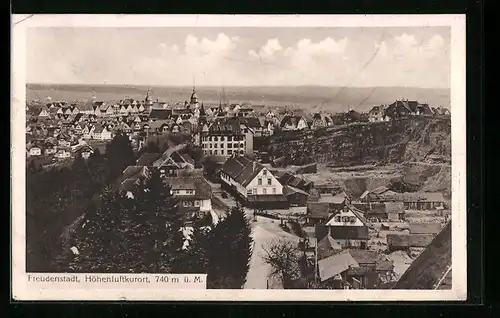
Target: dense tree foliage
[
  {"x": 123, "y": 235},
  {"x": 120, "y": 155},
  {"x": 223, "y": 252},
  {"x": 55, "y": 198}
]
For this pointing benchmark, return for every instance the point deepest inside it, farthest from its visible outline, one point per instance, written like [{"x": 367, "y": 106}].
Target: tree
[
  {"x": 283, "y": 257},
  {"x": 120, "y": 155},
  {"x": 230, "y": 240},
  {"x": 131, "y": 235}
]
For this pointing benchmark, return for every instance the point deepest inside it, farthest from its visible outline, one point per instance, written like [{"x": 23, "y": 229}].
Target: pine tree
[
  {"x": 120, "y": 155},
  {"x": 229, "y": 240}
]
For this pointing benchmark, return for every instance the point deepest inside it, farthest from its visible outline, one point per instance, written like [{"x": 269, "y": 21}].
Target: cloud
[
  {"x": 220, "y": 46},
  {"x": 267, "y": 51},
  {"x": 406, "y": 47},
  {"x": 325, "y": 47}
]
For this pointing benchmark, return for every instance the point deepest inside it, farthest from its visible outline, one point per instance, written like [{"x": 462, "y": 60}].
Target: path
[{"x": 263, "y": 231}]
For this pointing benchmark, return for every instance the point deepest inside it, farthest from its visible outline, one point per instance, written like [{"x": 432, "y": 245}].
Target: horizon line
[{"x": 226, "y": 86}]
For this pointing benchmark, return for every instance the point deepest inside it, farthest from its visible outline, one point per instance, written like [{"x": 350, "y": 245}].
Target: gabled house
[
  {"x": 377, "y": 114},
  {"x": 44, "y": 112},
  {"x": 290, "y": 122},
  {"x": 34, "y": 151},
  {"x": 194, "y": 195},
  {"x": 84, "y": 150},
  {"x": 398, "y": 110},
  {"x": 62, "y": 154},
  {"x": 252, "y": 183},
  {"x": 101, "y": 132},
  {"x": 349, "y": 227}
]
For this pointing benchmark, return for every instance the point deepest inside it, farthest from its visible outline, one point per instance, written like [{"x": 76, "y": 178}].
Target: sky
[{"x": 355, "y": 57}]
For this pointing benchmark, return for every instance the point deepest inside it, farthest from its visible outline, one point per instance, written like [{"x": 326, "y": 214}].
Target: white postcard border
[{"x": 22, "y": 291}]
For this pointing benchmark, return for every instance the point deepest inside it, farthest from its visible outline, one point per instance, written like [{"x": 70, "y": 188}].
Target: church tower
[{"x": 193, "y": 102}]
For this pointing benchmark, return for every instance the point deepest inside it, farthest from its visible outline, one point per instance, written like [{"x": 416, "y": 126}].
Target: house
[
  {"x": 225, "y": 137},
  {"x": 62, "y": 154},
  {"x": 84, "y": 150},
  {"x": 295, "y": 196},
  {"x": 349, "y": 227},
  {"x": 327, "y": 247},
  {"x": 34, "y": 151},
  {"x": 377, "y": 114},
  {"x": 398, "y": 110},
  {"x": 389, "y": 211},
  {"x": 252, "y": 183},
  {"x": 101, "y": 132},
  {"x": 332, "y": 270},
  {"x": 170, "y": 162},
  {"x": 321, "y": 120},
  {"x": 335, "y": 202},
  {"x": 194, "y": 194},
  {"x": 317, "y": 213},
  {"x": 50, "y": 148},
  {"x": 423, "y": 201},
  {"x": 421, "y": 234},
  {"x": 290, "y": 122},
  {"x": 44, "y": 112},
  {"x": 432, "y": 268},
  {"x": 374, "y": 269}
]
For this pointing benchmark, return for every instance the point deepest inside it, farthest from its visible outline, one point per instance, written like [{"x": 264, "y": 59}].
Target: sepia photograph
[{"x": 240, "y": 157}]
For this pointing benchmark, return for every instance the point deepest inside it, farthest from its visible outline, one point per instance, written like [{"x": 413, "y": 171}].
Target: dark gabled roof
[
  {"x": 431, "y": 266},
  {"x": 225, "y": 125},
  {"x": 242, "y": 169},
  {"x": 202, "y": 188},
  {"x": 160, "y": 113},
  {"x": 252, "y": 122},
  {"x": 147, "y": 159},
  {"x": 290, "y": 120},
  {"x": 327, "y": 246}
]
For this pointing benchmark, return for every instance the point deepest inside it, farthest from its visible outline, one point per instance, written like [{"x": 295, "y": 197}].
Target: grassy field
[{"x": 305, "y": 97}]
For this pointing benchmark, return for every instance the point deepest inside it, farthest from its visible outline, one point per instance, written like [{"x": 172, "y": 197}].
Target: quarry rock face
[{"x": 409, "y": 140}]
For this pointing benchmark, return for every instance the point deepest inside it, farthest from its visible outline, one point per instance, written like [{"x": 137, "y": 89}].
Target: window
[
  {"x": 254, "y": 190},
  {"x": 259, "y": 181},
  {"x": 210, "y": 151},
  {"x": 353, "y": 219},
  {"x": 235, "y": 145},
  {"x": 209, "y": 145},
  {"x": 249, "y": 191},
  {"x": 222, "y": 145},
  {"x": 196, "y": 203},
  {"x": 345, "y": 219},
  {"x": 230, "y": 138},
  {"x": 222, "y": 152},
  {"x": 241, "y": 152},
  {"x": 269, "y": 181},
  {"x": 264, "y": 190},
  {"x": 274, "y": 190},
  {"x": 229, "y": 152},
  {"x": 216, "y": 138},
  {"x": 337, "y": 219},
  {"x": 264, "y": 172},
  {"x": 215, "y": 152}
]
